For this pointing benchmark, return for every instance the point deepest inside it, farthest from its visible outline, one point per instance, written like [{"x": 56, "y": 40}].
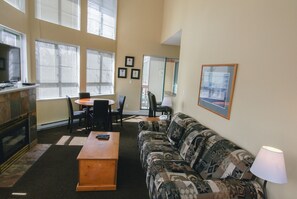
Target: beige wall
[
  {"x": 173, "y": 17},
  {"x": 261, "y": 37},
  {"x": 138, "y": 34}
]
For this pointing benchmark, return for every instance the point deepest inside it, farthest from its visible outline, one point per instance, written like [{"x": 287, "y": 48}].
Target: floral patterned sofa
[{"x": 184, "y": 159}]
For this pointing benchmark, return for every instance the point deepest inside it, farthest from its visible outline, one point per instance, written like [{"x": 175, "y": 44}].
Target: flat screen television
[{"x": 10, "y": 63}]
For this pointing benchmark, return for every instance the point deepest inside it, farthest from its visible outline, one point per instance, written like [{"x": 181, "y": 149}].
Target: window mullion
[
  {"x": 101, "y": 72},
  {"x": 60, "y": 12},
  {"x": 58, "y": 64}
]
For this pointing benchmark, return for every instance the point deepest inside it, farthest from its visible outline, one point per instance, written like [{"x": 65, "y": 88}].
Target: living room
[{"x": 258, "y": 36}]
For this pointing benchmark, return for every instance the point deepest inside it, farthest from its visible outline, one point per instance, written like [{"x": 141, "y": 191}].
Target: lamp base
[{"x": 264, "y": 189}]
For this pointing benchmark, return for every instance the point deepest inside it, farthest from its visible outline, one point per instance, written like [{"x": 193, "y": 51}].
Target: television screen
[{"x": 10, "y": 63}]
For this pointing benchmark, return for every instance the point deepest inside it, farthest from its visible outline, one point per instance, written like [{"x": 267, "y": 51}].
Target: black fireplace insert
[{"x": 14, "y": 136}]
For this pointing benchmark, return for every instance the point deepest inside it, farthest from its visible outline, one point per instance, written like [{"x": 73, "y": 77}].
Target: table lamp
[
  {"x": 167, "y": 101},
  {"x": 270, "y": 166}
]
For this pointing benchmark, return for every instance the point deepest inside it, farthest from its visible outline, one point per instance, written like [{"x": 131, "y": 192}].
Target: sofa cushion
[
  {"x": 157, "y": 146},
  {"x": 177, "y": 127},
  {"x": 223, "y": 159},
  {"x": 193, "y": 142},
  {"x": 164, "y": 174}
]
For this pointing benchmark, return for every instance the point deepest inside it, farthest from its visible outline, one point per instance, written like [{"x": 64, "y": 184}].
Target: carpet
[{"x": 55, "y": 174}]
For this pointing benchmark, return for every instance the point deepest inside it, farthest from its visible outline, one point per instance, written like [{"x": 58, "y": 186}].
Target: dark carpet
[{"x": 55, "y": 174}]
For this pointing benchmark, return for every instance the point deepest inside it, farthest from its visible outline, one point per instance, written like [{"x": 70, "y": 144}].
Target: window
[
  {"x": 14, "y": 38},
  {"x": 57, "y": 70},
  {"x": 10, "y": 37},
  {"x": 102, "y": 17},
  {"x": 18, "y": 4},
  {"x": 62, "y": 12},
  {"x": 100, "y": 72}
]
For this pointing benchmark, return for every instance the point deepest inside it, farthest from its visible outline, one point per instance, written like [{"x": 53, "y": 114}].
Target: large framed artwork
[{"x": 217, "y": 83}]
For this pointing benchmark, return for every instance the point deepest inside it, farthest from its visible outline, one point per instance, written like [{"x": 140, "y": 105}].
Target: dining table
[{"x": 88, "y": 103}]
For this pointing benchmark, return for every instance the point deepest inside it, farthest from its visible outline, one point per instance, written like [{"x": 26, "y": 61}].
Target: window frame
[
  {"x": 21, "y": 43},
  {"x": 21, "y": 5}
]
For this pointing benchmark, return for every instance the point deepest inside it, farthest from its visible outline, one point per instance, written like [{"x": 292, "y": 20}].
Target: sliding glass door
[{"x": 159, "y": 76}]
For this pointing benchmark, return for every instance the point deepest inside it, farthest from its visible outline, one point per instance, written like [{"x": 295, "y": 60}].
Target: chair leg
[
  {"x": 71, "y": 124},
  {"x": 68, "y": 125}
]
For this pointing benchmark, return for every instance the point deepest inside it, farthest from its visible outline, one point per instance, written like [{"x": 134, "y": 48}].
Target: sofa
[{"x": 182, "y": 158}]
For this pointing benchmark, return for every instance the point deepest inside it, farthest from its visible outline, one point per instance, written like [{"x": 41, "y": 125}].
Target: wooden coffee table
[{"x": 97, "y": 162}]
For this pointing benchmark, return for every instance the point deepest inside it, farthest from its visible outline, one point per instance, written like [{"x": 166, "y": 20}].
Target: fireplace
[{"x": 14, "y": 141}]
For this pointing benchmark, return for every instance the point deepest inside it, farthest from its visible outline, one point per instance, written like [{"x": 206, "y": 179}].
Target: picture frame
[
  {"x": 122, "y": 72},
  {"x": 129, "y": 61},
  {"x": 135, "y": 73},
  {"x": 217, "y": 82},
  {"x": 2, "y": 63}
]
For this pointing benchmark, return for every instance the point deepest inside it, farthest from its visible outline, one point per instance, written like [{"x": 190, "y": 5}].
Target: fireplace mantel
[{"x": 17, "y": 88}]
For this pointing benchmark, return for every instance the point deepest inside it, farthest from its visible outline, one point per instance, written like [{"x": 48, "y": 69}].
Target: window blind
[
  {"x": 57, "y": 70},
  {"x": 61, "y": 12},
  {"x": 102, "y": 17},
  {"x": 100, "y": 72}
]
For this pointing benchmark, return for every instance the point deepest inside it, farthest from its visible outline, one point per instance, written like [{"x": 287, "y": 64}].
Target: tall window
[
  {"x": 57, "y": 70},
  {"x": 100, "y": 72},
  {"x": 102, "y": 16},
  {"x": 62, "y": 12},
  {"x": 13, "y": 38},
  {"x": 18, "y": 4}
]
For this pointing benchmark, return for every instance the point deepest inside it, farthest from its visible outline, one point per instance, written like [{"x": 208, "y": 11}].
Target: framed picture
[
  {"x": 122, "y": 72},
  {"x": 217, "y": 83},
  {"x": 135, "y": 73},
  {"x": 2, "y": 63},
  {"x": 129, "y": 61}
]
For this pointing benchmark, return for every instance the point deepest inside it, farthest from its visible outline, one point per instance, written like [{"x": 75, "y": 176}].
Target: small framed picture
[
  {"x": 135, "y": 73},
  {"x": 129, "y": 61},
  {"x": 122, "y": 72}
]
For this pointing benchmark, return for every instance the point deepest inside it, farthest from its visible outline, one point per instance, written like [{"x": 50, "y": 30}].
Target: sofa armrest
[{"x": 159, "y": 126}]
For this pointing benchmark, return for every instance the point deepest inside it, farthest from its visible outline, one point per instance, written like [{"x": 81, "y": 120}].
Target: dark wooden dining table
[{"x": 89, "y": 102}]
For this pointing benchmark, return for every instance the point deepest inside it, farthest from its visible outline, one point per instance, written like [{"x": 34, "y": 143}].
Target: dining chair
[
  {"x": 72, "y": 115},
  {"x": 100, "y": 116},
  {"x": 119, "y": 110},
  {"x": 83, "y": 95},
  {"x": 154, "y": 106}
]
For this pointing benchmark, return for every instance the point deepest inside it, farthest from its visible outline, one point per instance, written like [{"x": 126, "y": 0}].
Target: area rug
[{"x": 9, "y": 177}]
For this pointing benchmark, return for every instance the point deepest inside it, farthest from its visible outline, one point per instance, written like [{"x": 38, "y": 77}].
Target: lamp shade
[
  {"x": 270, "y": 165},
  {"x": 167, "y": 101}
]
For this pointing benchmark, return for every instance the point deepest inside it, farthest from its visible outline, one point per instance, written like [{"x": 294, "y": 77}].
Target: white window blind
[
  {"x": 61, "y": 12},
  {"x": 102, "y": 16},
  {"x": 100, "y": 72},
  {"x": 57, "y": 70},
  {"x": 18, "y": 4}
]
